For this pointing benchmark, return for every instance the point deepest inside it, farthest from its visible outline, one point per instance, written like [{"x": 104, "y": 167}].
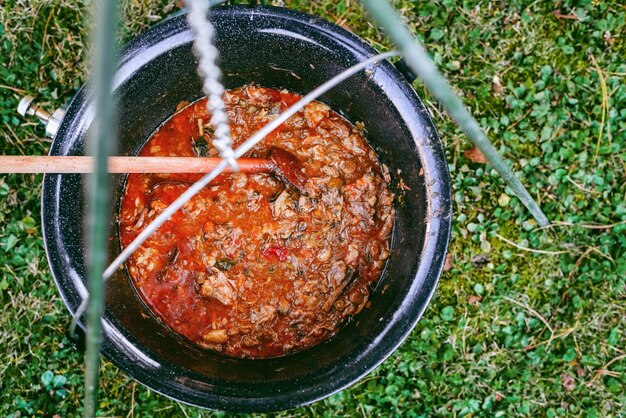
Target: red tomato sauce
[{"x": 250, "y": 267}]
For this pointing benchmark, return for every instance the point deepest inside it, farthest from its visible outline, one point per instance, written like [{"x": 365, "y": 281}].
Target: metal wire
[
  {"x": 101, "y": 142},
  {"x": 210, "y": 72}
]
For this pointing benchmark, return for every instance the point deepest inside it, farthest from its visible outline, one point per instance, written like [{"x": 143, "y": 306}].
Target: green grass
[{"x": 519, "y": 334}]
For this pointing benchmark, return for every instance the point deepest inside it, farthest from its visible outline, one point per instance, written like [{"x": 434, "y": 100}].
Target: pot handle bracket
[
  {"x": 405, "y": 70},
  {"x": 29, "y": 107},
  {"x": 77, "y": 338}
]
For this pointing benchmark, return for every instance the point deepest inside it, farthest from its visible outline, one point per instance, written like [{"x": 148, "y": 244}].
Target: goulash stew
[{"x": 250, "y": 267}]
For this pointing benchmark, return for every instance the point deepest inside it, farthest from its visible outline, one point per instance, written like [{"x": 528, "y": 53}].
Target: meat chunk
[
  {"x": 217, "y": 286},
  {"x": 324, "y": 255},
  {"x": 257, "y": 96},
  {"x": 336, "y": 129},
  {"x": 265, "y": 313},
  {"x": 301, "y": 316},
  {"x": 314, "y": 113},
  {"x": 215, "y": 336},
  {"x": 239, "y": 181},
  {"x": 305, "y": 205},
  {"x": 353, "y": 254},
  {"x": 361, "y": 196},
  {"x": 339, "y": 276},
  {"x": 232, "y": 242},
  {"x": 253, "y": 201},
  {"x": 156, "y": 206},
  {"x": 283, "y": 306},
  {"x": 281, "y": 204},
  {"x": 337, "y": 273}
]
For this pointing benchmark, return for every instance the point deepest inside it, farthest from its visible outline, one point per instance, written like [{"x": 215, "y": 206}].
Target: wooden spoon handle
[{"x": 74, "y": 164}]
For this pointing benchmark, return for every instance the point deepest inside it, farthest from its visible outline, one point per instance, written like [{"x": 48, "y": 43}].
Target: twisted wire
[{"x": 210, "y": 73}]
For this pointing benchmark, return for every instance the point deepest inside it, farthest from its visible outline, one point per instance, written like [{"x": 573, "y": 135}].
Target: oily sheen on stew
[{"x": 250, "y": 267}]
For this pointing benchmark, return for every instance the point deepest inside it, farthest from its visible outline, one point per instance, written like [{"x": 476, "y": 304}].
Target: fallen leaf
[
  {"x": 475, "y": 156},
  {"x": 403, "y": 185},
  {"x": 559, "y": 15},
  {"x": 447, "y": 265},
  {"x": 474, "y": 299},
  {"x": 344, "y": 25},
  {"x": 497, "y": 86},
  {"x": 479, "y": 260},
  {"x": 568, "y": 382},
  {"x": 498, "y": 396},
  {"x": 504, "y": 200}
]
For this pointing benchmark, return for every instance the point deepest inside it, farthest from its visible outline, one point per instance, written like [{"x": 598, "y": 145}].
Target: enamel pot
[{"x": 278, "y": 48}]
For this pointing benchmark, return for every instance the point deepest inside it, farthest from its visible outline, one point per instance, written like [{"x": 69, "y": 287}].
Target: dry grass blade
[
  {"x": 553, "y": 337},
  {"x": 586, "y": 226},
  {"x": 603, "y": 370},
  {"x": 605, "y": 101},
  {"x": 532, "y": 250},
  {"x": 15, "y": 89}
]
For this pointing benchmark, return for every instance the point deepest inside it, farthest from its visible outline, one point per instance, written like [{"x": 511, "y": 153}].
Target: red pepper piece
[{"x": 276, "y": 252}]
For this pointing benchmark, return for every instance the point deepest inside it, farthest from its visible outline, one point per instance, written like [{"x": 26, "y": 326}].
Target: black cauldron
[{"x": 277, "y": 48}]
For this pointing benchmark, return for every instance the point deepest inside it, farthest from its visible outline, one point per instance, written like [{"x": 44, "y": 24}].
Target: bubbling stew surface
[{"x": 250, "y": 267}]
